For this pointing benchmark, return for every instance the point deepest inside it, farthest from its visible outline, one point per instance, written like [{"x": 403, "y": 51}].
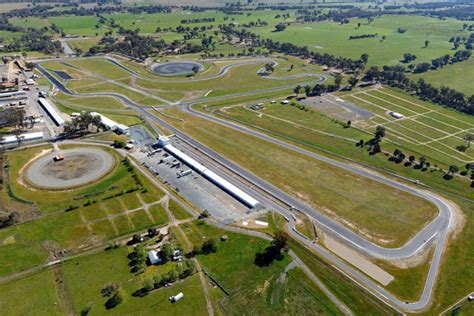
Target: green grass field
[
  {"x": 40, "y": 291},
  {"x": 359, "y": 199},
  {"x": 456, "y": 76},
  {"x": 332, "y": 38}
]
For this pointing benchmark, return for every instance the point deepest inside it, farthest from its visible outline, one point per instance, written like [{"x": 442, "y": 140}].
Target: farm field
[
  {"x": 456, "y": 76},
  {"x": 317, "y": 183},
  {"x": 332, "y": 38},
  {"x": 427, "y": 128}
]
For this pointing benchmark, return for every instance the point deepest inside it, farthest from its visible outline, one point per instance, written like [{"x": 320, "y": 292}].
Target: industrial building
[
  {"x": 110, "y": 124},
  {"x": 26, "y": 137},
  {"x": 53, "y": 114},
  {"x": 208, "y": 174}
]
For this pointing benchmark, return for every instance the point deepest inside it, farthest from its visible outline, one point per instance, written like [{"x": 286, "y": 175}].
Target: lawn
[
  {"x": 84, "y": 44},
  {"x": 359, "y": 200},
  {"x": 178, "y": 211}
]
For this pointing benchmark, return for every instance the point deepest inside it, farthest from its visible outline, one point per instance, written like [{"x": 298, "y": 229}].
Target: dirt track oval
[{"x": 79, "y": 167}]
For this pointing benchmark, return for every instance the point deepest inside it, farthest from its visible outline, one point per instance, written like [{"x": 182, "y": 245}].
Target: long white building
[
  {"x": 210, "y": 175},
  {"x": 12, "y": 139},
  {"x": 53, "y": 114}
]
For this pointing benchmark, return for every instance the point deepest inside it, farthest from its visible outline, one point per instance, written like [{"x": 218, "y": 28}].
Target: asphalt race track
[{"x": 434, "y": 233}]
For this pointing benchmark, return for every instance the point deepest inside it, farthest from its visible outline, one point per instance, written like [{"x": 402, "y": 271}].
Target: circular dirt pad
[
  {"x": 177, "y": 68},
  {"x": 80, "y": 166}
]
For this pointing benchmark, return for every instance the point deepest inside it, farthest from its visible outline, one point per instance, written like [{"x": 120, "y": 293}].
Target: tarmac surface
[{"x": 80, "y": 166}]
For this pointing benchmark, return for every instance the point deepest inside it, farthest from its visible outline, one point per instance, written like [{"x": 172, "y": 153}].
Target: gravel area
[{"x": 80, "y": 166}]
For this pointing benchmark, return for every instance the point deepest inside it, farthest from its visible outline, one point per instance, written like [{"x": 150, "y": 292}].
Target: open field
[
  {"x": 40, "y": 291},
  {"x": 427, "y": 128},
  {"x": 360, "y": 204},
  {"x": 456, "y": 76},
  {"x": 332, "y": 38}
]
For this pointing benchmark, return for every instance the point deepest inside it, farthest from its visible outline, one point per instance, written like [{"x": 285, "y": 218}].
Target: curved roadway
[{"x": 436, "y": 231}]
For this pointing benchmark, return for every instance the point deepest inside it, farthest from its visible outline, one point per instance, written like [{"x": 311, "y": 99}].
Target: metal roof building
[
  {"x": 12, "y": 139},
  {"x": 111, "y": 124},
  {"x": 212, "y": 176},
  {"x": 53, "y": 114}
]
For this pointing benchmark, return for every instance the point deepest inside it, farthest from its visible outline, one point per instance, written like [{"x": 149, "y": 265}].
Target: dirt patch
[
  {"x": 359, "y": 261},
  {"x": 63, "y": 292},
  {"x": 10, "y": 240},
  {"x": 458, "y": 219},
  {"x": 413, "y": 261}
]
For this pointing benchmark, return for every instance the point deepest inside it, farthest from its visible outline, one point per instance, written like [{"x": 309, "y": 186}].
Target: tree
[
  {"x": 353, "y": 81},
  {"x": 427, "y": 43},
  {"x": 109, "y": 289},
  {"x": 468, "y": 138},
  {"x": 166, "y": 252},
  {"x": 195, "y": 69},
  {"x": 280, "y": 27},
  {"x": 152, "y": 232},
  {"x": 379, "y": 132},
  {"x": 453, "y": 169},
  {"x": 116, "y": 299},
  {"x": 364, "y": 58},
  {"x": 338, "y": 80},
  {"x": 297, "y": 90},
  {"x": 209, "y": 246},
  {"x": 148, "y": 285},
  {"x": 273, "y": 251}
]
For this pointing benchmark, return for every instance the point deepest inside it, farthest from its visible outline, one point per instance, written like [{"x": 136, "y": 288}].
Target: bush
[
  {"x": 115, "y": 300},
  {"x": 209, "y": 246}
]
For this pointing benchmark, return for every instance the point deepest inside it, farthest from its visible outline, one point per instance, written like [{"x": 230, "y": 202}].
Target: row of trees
[
  {"x": 440, "y": 62},
  {"x": 81, "y": 125}
]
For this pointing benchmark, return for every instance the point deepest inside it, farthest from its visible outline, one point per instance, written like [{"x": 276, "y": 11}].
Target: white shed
[{"x": 154, "y": 257}]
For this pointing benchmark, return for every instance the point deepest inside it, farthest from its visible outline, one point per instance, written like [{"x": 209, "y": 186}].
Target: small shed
[{"x": 154, "y": 257}]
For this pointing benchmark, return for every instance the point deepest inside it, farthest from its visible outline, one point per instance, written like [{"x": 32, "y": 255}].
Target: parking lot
[{"x": 201, "y": 192}]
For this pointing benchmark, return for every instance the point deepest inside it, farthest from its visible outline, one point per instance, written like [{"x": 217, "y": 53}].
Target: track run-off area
[{"x": 434, "y": 233}]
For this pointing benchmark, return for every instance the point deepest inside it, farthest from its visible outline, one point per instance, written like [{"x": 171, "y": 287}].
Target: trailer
[
  {"x": 176, "y": 297},
  {"x": 184, "y": 173}
]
